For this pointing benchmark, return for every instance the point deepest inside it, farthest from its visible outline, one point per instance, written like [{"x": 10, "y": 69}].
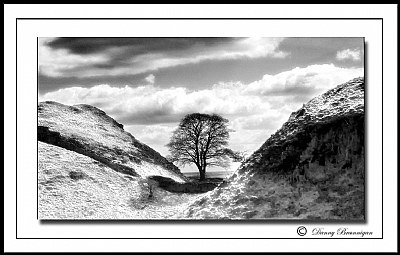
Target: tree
[{"x": 201, "y": 139}]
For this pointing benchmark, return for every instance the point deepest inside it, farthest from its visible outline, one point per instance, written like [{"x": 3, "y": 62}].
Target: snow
[
  {"x": 256, "y": 193},
  {"x": 74, "y": 186},
  {"x": 102, "y": 136},
  {"x": 99, "y": 192}
]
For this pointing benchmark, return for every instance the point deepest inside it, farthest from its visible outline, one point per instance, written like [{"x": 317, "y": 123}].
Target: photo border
[{"x": 156, "y": 221}]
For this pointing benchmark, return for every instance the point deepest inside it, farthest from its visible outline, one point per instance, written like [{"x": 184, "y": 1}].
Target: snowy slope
[
  {"x": 89, "y": 131},
  {"x": 74, "y": 186},
  {"x": 322, "y": 145}
]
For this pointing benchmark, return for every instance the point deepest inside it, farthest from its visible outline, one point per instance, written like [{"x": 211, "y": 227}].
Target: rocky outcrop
[
  {"x": 89, "y": 131},
  {"x": 311, "y": 168}
]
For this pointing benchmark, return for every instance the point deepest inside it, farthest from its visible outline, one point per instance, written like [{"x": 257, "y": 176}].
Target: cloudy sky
[{"x": 149, "y": 84}]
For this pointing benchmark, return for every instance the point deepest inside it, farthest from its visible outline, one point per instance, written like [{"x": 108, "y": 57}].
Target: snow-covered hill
[
  {"x": 90, "y": 168},
  {"x": 311, "y": 168},
  {"x": 74, "y": 186},
  {"x": 89, "y": 131}
]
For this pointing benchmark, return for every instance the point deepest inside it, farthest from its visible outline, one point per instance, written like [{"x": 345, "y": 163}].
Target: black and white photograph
[
  {"x": 222, "y": 128},
  {"x": 201, "y": 128}
]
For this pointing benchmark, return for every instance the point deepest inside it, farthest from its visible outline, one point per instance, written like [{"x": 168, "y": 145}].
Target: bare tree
[{"x": 201, "y": 139}]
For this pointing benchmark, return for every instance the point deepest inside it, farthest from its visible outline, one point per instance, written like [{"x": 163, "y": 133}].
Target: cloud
[
  {"x": 135, "y": 46},
  {"x": 55, "y": 63},
  {"x": 303, "y": 82},
  {"x": 267, "y": 120},
  {"x": 90, "y": 57},
  {"x": 255, "y": 110},
  {"x": 151, "y": 104},
  {"x": 150, "y": 79},
  {"x": 351, "y": 54}
]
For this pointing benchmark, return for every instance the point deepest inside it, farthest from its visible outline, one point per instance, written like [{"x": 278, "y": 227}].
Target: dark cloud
[
  {"x": 126, "y": 52},
  {"x": 137, "y": 45}
]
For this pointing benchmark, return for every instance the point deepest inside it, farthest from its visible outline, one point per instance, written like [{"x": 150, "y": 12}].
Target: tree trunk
[{"x": 202, "y": 174}]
